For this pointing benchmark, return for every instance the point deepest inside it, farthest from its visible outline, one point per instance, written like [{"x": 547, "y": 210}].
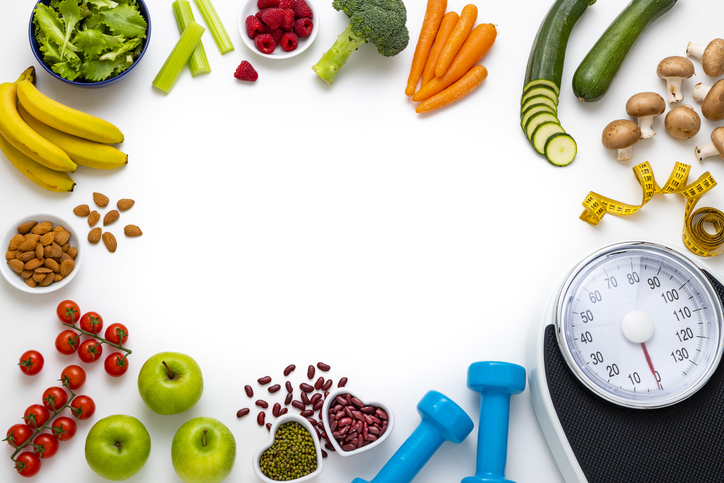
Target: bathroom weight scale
[{"x": 625, "y": 375}]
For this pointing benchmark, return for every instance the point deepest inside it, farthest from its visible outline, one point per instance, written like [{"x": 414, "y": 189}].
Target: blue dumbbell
[
  {"x": 442, "y": 420},
  {"x": 496, "y": 382}
]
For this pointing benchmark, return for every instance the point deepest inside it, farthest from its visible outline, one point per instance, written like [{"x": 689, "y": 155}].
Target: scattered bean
[
  {"x": 306, "y": 387},
  {"x": 310, "y": 372},
  {"x": 342, "y": 382},
  {"x": 323, "y": 367},
  {"x": 288, "y": 399},
  {"x": 276, "y": 409},
  {"x": 319, "y": 383},
  {"x": 242, "y": 412},
  {"x": 249, "y": 390},
  {"x": 305, "y": 399},
  {"x": 274, "y": 388},
  {"x": 261, "y": 403},
  {"x": 289, "y": 369},
  {"x": 283, "y": 411},
  {"x": 289, "y": 386},
  {"x": 264, "y": 380},
  {"x": 327, "y": 385},
  {"x": 298, "y": 404},
  {"x": 260, "y": 418}
]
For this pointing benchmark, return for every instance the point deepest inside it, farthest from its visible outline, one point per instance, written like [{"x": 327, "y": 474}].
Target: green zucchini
[
  {"x": 549, "y": 46},
  {"x": 560, "y": 149},
  {"x": 600, "y": 66},
  {"x": 536, "y": 120},
  {"x": 543, "y": 132}
]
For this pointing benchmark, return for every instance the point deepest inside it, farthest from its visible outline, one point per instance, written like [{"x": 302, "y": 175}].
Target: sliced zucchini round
[
  {"x": 533, "y": 110},
  {"x": 540, "y": 91},
  {"x": 561, "y": 149},
  {"x": 543, "y": 132},
  {"x": 536, "y": 120},
  {"x": 540, "y": 99},
  {"x": 542, "y": 82}
]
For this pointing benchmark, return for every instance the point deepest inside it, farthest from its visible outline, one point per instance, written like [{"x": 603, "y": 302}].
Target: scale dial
[{"x": 640, "y": 325}]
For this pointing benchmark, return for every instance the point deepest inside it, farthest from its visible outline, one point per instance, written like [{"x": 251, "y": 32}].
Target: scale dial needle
[{"x": 651, "y": 364}]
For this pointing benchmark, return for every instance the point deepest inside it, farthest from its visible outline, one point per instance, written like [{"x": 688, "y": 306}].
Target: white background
[{"x": 288, "y": 221}]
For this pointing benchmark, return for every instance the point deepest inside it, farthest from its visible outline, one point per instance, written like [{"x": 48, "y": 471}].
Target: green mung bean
[{"x": 291, "y": 456}]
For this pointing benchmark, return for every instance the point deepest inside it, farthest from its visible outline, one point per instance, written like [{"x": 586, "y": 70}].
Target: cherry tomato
[
  {"x": 48, "y": 445},
  {"x": 73, "y": 376},
  {"x": 68, "y": 312},
  {"x": 90, "y": 350},
  {"x": 31, "y": 362},
  {"x": 83, "y": 407},
  {"x": 36, "y": 415},
  {"x": 64, "y": 428},
  {"x": 91, "y": 322},
  {"x": 116, "y": 364},
  {"x": 117, "y": 334},
  {"x": 27, "y": 464},
  {"x": 54, "y": 398},
  {"x": 67, "y": 342},
  {"x": 18, "y": 434}
]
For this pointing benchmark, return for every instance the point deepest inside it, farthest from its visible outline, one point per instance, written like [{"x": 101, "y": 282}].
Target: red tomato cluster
[{"x": 90, "y": 348}]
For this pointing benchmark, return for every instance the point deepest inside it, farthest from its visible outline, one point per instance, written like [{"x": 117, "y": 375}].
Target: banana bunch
[{"x": 46, "y": 140}]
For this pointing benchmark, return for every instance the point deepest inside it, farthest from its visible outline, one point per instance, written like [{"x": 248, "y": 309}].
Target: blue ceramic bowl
[{"x": 39, "y": 56}]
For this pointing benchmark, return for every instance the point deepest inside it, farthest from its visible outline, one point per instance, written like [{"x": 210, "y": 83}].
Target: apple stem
[
  {"x": 203, "y": 438},
  {"x": 170, "y": 373},
  {"x": 119, "y": 446}
]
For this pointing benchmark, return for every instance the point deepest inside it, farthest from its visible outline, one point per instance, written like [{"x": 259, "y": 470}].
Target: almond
[
  {"x": 30, "y": 282},
  {"x": 93, "y": 218},
  {"x": 47, "y": 239},
  {"x": 125, "y": 204},
  {"x": 110, "y": 241},
  {"x": 66, "y": 267},
  {"x": 59, "y": 228},
  {"x": 62, "y": 237},
  {"x": 26, "y": 227},
  {"x": 10, "y": 254},
  {"x": 26, "y": 256},
  {"x": 27, "y": 245},
  {"x": 52, "y": 264},
  {"x": 82, "y": 210},
  {"x": 38, "y": 277},
  {"x": 58, "y": 277},
  {"x": 94, "y": 236},
  {"x": 39, "y": 251},
  {"x": 100, "y": 199},
  {"x": 47, "y": 280},
  {"x": 15, "y": 242},
  {"x": 27, "y": 273},
  {"x": 16, "y": 265},
  {"x": 72, "y": 252},
  {"x": 132, "y": 230},
  {"x": 110, "y": 217},
  {"x": 42, "y": 228},
  {"x": 33, "y": 264},
  {"x": 56, "y": 250}
]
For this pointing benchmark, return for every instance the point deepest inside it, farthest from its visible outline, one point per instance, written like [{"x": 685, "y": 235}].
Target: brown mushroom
[
  {"x": 675, "y": 69},
  {"x": 712, "y": 100},
  {"x": 644, "y": 106},
  {"x": 682, "y": 122},
  {"x": 716, "y": 146},
  {"x": 621, "y": 135},
  {"x": 711, "y": 56}
]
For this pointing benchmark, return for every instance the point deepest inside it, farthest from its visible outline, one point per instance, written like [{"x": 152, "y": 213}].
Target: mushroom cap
[
  {"x": 712, "y": 108},
  {"x": 620, "y": 134},
  {"x": 675, "y": 66},
  {"x": 712, "y": 60},
  {"x": 645, "y": 104},
  {"x": 682, "y": 122},
  {"x": 717, "y": 139}
]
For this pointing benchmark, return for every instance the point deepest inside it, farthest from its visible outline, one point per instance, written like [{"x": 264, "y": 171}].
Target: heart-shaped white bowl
[
  {"x": 273, "y": 431},
  {"x": 331, "y": 400}
]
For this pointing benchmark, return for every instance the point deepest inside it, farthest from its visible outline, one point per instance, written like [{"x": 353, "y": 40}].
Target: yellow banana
[
  {"x": 81, "y": 151},
  {"x": 47, "y": 178},
  {"x": 19, "y": 134},
  {"x": 66, "y": 119}
]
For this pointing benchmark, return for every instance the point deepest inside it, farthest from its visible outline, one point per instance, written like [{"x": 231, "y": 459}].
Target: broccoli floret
[{"x": 380, "y": 22}]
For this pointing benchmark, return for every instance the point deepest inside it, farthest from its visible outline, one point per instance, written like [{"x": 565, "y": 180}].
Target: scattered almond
[
  {"x": 125, "y": 204},
  {"x": 110, "y": 217},
  {"x": 94, "y": 236},
  {"x": 26, "y": 227},
  {"x": 132, "y": 230},
  {"x": 93, "y": 218},
  {"x": 110, "y": 241},
  {"x": 100, "y": 199},
  {"x": 82, "y": 210}
]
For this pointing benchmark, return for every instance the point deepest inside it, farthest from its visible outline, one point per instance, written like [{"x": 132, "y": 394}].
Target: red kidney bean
[
  {"x": 312, "y": 421},
  {"x": 283, "y": 411},
  {"x": 276, "y": 409},
  {"x": 346, "y": 421},
  {"x": 380, "y": 413},
  {"x": 289, "y": 386},
  {"x": 373, "y": 430},
  {"x": 268, "y": 426},
  {"x": 310, "y": 372},
  {"x": 260, "y": 418},
  {"x": 274, "y": 388},
  {"x": 319, "y": 383},
  {"x": 242, "y": 412},
  {"x": 329, "y": 447},
  {"x": 348, "y": 411},
  {"x": 298, "y": 404},
  {"x": 305, "y": 399},
  {"x": 324, "y": 454},
  {"x": 342, "y": 400},
  {"x": 315, "y": 397},
  {"x": 327, "y": 385},
  {"x": 349, "y": 447},
  {"x": 289, "y": 369},
  {"x": 342, "y": 382},
  {"x": 326, "y": 393},
  {"x": 356, "y": 402},
  {"x": 306, "y": 413},
  {"x": 318, "y": 405},
  {"x": 306, "y": 387},
  {"x": 262, "y": 403},
  {"x": 288, "y": 399},
  {"x": 323, "y": 367},
  {"x": 264, "y": 380},
  {"x": 367, "y": 409},
  {"x": 249, "y": 390}
]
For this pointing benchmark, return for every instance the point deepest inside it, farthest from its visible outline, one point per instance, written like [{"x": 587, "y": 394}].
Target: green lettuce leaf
[{"x": 125, "y": 20}]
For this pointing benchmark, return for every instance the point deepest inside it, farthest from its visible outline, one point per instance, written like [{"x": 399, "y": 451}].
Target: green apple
[
  {"x": 203, "y": 450},
  {"x": 170, "y": 383},
  {"x": 117, "y": 447}
]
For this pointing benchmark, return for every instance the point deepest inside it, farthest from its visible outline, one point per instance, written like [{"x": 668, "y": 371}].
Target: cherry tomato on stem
[
  {"x": 116, "y": 364},
  {"x": 67, "y": 342},
  {"x": 117, "y": 334},
  {"x": 31, "y": 362},
  {"x": 54, "y": 398},
  {"x": 64, "y": 428},
  {"x": 68, "y": 312},
  {"x": 27, "y": 464},
  {"x": 90, "y": 350},
  {"x": 73, "y": 376},
  {"x": 83, "y": 407},
  {"x": 18, "y": 434},
  {"x": 91, "y": 322},
  {"x": 36, "y": 415},
  {"x": 46, "y": 445}
]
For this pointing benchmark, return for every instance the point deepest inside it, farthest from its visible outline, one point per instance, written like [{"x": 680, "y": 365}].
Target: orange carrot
[
  {"x": 466, "y": 84},
  {"x": 433, "y": 16},
  {"x": 478, "y": 44},
  {"x": 446, "y": 27},
  {"x": 462, "y": 29}
]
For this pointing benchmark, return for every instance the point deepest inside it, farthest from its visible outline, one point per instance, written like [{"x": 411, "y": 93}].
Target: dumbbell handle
[{"x": 493, "y": 435}]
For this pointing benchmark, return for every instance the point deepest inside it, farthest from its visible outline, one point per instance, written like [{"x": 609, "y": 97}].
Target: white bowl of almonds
[{"x": 43, "y": 253}]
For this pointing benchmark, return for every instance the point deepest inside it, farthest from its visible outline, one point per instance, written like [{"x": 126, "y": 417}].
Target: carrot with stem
[
  {"x": 462, "y": 29},
  {"x": 433, "y": 16},
  {"x": 478, "y": 44},
  {"x": 443, "y": 33},
  {"x": 461, "y": 88}
]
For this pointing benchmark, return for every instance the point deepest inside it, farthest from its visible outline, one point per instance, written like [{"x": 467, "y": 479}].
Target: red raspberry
[
  {"x": 273, "y": 18},
  {"x": 289, "y": 41},
  {"x": 276, "y": 35},
  {"x": 301, "y": 9},
  {"x": 288, "y": 23},
  {"x": 260, "y": 13},
  {"x": 286, "y": 4},
  {"x": 262, "y": 4},
  {"x": 264, "y": 43},
  {"x": 254, "y": 26},
  {"x": 303, "y": 27},
  {"x": 246, "y": 72}
]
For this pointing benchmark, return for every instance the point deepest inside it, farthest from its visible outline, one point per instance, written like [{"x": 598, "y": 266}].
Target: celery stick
[
  {"x": 179, "y": 56},
  {"x": 198, "y": 62},
  {"x": 213, "y": 22}
]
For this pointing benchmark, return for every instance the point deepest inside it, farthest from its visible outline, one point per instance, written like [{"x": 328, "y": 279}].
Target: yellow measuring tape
[{"x": 695, "y": 236}]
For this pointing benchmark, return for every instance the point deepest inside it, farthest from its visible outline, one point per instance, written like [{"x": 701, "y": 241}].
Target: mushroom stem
[
  {"x": 673, "y": 87},
  {"x": 646, "y": 124},
  {"x": 695, "y": 50},
  {"x": 705, "y": 151},
  {"x": 625, "y": 154},
  {"x": 700, "y": 91}
]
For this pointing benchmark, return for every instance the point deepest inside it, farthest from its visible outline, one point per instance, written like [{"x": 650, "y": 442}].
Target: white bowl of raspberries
[{"x": 278, "y": 29}]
